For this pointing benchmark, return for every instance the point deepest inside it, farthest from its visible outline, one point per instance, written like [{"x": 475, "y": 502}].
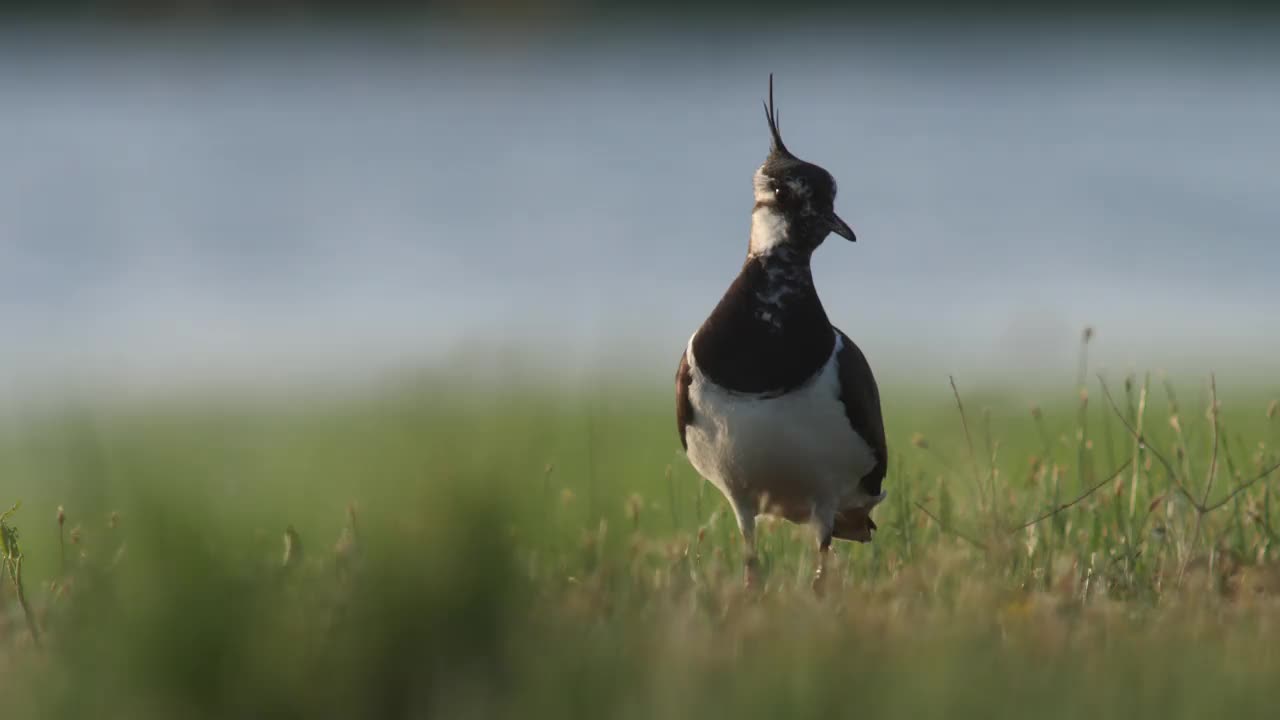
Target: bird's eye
[{"x": 780, "y": 192}]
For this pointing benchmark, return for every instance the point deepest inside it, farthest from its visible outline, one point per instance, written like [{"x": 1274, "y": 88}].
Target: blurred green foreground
[{"x": 425, "y": 553}]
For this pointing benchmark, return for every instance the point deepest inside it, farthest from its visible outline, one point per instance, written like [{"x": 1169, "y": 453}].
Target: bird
[{"x": 775, "y": 406}]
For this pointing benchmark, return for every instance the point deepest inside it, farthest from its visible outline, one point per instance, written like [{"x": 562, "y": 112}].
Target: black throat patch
[{"x": 769, "y": 334}]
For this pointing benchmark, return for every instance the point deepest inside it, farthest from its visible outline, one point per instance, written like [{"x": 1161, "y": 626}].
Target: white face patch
[
  {"x": 768, "y": 230},
  {"x": 762, "y": 186},
  {"x": 768, "y": 226}
]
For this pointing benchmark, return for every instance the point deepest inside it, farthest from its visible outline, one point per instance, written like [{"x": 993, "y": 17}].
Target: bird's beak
[{"x": 841, "y": 228}]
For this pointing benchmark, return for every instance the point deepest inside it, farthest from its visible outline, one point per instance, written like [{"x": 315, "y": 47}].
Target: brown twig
[
  {"x": 948, "y": 529},
  {"x": 1076, "y": 501},
  {"x": 992, "y": 448},
  {"x": 1242, "y": 487},
  {"x": 12, "y": 564},
  {"x": 32, "y": 626},
  {"x": 968, "y": 439},
  {"x": 1139, "y": 415},
  {"x": 1173, "y": 474},
  {"x": 1202, "y": 508},
  {"x": 1213, "y": 462}
]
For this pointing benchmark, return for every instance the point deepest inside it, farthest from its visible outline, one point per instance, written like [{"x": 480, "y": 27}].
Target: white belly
[{"x": 797, "y": 451}]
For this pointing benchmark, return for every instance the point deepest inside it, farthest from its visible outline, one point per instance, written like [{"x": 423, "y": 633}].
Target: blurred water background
[{"x": 194, "y": 207}]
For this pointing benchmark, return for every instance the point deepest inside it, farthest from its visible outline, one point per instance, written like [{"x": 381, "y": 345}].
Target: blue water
[{"x": 265, "y": 208}]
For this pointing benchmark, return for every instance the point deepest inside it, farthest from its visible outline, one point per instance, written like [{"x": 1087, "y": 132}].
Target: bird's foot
[
  {"x": 751, "y": 574},
  {"x": 820, "y": 574},
  {"x": 819, "y": 583}
]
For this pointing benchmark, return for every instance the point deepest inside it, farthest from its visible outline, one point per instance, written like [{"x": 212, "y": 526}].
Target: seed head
[
  {"x": 292, "y": 548},
  {"x": 634, "y": 505},
  {"x": 1088, "y": 333},
  {"x": 1211, "y": 412},
  {"x": 918, "y": 440},
  {"x": 62, "y": 516},
  {"x": 1271, "y": 409}
]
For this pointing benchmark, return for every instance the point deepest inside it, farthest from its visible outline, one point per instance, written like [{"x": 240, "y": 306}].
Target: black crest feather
[{"x": 771, "y": 115}]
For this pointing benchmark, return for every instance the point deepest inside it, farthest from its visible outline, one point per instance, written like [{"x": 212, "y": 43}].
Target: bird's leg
[
  {"x": 751, "y": 571},
  {"x": 747, "y": 524},
  {"x": 824, "y": 522},
  {"x": 750, "y": 563},
  {"x": 820, "y": 575}
]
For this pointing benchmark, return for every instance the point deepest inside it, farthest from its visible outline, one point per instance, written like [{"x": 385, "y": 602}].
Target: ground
[{"x": 423, "y": 551}]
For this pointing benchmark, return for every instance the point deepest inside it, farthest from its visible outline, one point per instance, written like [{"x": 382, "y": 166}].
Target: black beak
[{"x": 841, "y": 228}]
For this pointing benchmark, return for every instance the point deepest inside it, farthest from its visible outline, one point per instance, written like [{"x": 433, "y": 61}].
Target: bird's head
[{"x": 795, "y": 200}]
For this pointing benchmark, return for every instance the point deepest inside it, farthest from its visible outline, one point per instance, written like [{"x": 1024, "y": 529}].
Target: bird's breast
[{"x": 796, "y": 448}]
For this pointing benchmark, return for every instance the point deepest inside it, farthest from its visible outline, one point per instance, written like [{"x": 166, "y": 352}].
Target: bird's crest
[{"x": 771, "y": 115}]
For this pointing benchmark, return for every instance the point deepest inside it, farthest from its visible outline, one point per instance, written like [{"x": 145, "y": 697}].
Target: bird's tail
[{"x": 855, "y": 523}]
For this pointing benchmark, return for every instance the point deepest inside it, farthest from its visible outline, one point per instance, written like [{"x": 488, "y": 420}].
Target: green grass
[{"x": 524, "y": 555}]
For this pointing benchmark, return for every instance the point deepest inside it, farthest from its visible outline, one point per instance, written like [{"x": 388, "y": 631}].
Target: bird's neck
[
  {"x": 769, "y": 228},
  {"x": 769, "y": 332},
  {"x": 782, "y": 281}
]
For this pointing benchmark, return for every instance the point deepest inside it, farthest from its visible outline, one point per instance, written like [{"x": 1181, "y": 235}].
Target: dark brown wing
[
  {"x": 684, "y": 407},
  {"x": 861, "y": 399}
]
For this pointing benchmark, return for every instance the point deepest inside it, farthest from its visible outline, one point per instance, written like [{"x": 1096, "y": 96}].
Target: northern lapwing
[{"x": 777, "y": 407}]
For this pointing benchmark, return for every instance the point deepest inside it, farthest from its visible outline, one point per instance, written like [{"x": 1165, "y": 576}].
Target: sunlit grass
[{"x": 425, "y": 553}]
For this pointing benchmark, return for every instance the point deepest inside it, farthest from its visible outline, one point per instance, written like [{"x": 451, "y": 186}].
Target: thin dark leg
[
  {"x": 751, "y": 572},
  {"x": 820, "y": 575},
  {"x": 747, "y": 523}
]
